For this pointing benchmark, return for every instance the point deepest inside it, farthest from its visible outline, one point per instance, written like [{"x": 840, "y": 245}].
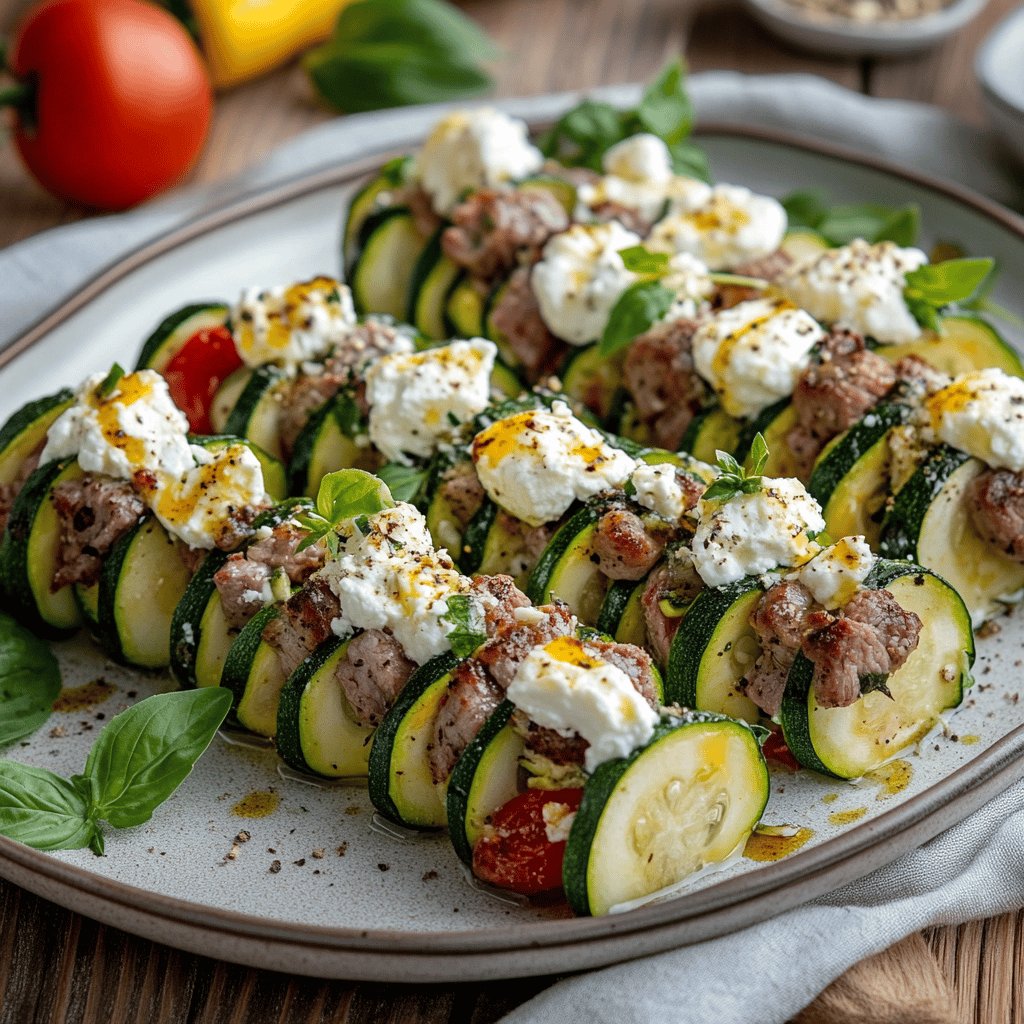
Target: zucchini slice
[
  {"x": 226, "y": 397},
  {"x": 803, "y": 243},
  {"x": 474, "y": 539},
  {"x": 380, "y": 278},
  {"x": 432, "y": 281},
  {"x": 564, "y": 191},
  {"x": 847, "y": 742},
  {"x": 710, "y": 431},
  {"x": 689, "y": 798},
  {"x": 774, "y": 424},
  {"x": 713, "y": 649},
  {"x": 370, "y": 199},
  {"x": 170, "y": 336},
  {"x": 400, "y": 781},
  {"x": 257, "y": 413},
  {"x": 850, "y": 479},
  {"x": 317, "y": 731},
  {"x": 464, "y": 310},
  {"x": 274, "y": 478},
  {"x": 964, "y": 343},
  {"x": 593, "y": 380},
  {"x": 485, "y": 778},
  {"x": 324, "y": 446},
  {"x": 200, "y": 638},
  {"x": 142, "y": 580},
  {"x": 929, "y": 524},
  {"x": 26, "y": 430},
  {"x": 252, "y": 672},
  {"x": 622, "y": 613},
  {"x": 28, "y": 555}
]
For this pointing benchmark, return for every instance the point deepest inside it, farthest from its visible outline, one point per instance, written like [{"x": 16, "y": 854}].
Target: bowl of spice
[
  {"x": 1000, "y": 70},
  {"x": 864, "y": 28}
]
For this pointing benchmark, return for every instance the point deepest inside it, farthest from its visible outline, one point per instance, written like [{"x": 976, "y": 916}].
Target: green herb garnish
[
  {"x": 29, "y": 681},
  {"x": 404, "y": 482},
  {"x": 734, "y": 479},
  {"x": 840, "y": 225},
  {"x": 346, "y": 494},
  {"x": 469, "y": 629},
  {"x": 933, "y": 287},
  {"x": 638, "y": 307},
  {"x": 112, "y": 379}
]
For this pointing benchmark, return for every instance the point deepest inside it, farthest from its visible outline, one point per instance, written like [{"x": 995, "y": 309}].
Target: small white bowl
[
  {"x": 999, "y": 66},
  {"x": 844, "y": 37}
]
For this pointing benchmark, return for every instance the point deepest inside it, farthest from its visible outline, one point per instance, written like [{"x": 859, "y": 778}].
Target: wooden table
[{"x": 57, "y": 966}]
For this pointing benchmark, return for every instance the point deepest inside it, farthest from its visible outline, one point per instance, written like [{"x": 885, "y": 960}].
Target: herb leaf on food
[
  {"x": 346, "y": 494},
  {"x": 733, "y": 479},
  {"x": 638, "y": 307},
  {"x": 934, "y": 286},
  {"x": 469, "y": 629},
  {"x": 29, "y": 681},
  {"x": 840, "y": 225},
  {"x": 404, "y": 482}
]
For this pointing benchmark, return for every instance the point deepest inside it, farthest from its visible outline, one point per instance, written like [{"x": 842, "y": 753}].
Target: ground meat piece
[
  {"x": 93, "y": 513},
  {"x": 240, "y": 583},
  {"x": 780, "y": 618},
  {"x": 421, "y": 208},
  {"x": 372, "y": 674},
  {"x": 501, "y": 598},
  {"x": 502, "y": 654},
  {"x": 897, "y": 628},
  {"x": 532, "y": 539},
  {"x": 832, "y": 395},
  {"x": 766, "y": 682},
  {"x": 658, "y": 373},
  {"x": 632, "y": 660},
  {"x": 280, "y": 551},
  {"x": 191, "y": 558},
  {"x": 995, "y": 501},
  {"x": 629, "y": 217},
  {"x": 914, "y": 370},
  {"x": 493, "y": 229},
  {"x": 10, "y": 491},
  {"x": 550, "y": 744},
  {"x": 462, "y": 490},
  {"x": 237, "y": 527},
  {"x": 678, "y": 578},
  {"x": 303, "y": 623},
  {"x": 768, "y": 268},
  {"x": 842, "y": 652},
  {"x": 471, "y": 698},
  {"x": 308, "y": 392},
  {"x": 516, "y": 317},
  {"x": 625, "y": 549}
]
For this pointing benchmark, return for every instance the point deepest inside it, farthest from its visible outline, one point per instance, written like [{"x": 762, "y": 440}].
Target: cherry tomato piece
[
  {"x": 775, "y": 749},
  {"x": 515, "y": 851},
  {"x": 197, "y": 370}
]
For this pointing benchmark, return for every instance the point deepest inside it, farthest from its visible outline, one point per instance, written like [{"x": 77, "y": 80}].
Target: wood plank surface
[{"x": 56, "y": 966}]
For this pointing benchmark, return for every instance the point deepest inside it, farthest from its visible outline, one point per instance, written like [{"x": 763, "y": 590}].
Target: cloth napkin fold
[{"x": 765, "y": 973}]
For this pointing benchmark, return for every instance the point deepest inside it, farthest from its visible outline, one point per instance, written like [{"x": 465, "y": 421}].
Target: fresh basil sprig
[
  {"x": 582, "y": 136},
  {"x": 138, "y": 761},
  {"x": 346, "y": 494},
  {"x": 404, "y": 482},
  {"x": 840, "y": 225},
  {"x": 394, "y": 53},
  {"x": 29, "y": 681},
  {"x": 734, "y": 479},
  {"x": 934, "y": 286},
  {"x": 469, "y": 629},
  {"x": 638, "y": 307}
]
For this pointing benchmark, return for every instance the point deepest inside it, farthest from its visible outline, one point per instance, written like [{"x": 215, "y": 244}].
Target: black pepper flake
[
  {"x": 383, "y": 867},
  {"x": 300, "y": 863},
  {"x": 275, "y": 866}
]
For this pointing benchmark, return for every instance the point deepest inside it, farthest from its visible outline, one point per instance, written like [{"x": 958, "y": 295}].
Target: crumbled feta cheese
[
  {"x": 472, "y": 149},
  {"x": 834, "y": 575},
  {"x": 749, "y": 534},
  {"x": 580, "y": 278},
  {"x": 535, "y": 464},
  {"x": 558, "y": 819},
  {"x": 859, "y": 286},
  {"x": 753, "y": 353},
  {"x": 562, "y": 687},
  {"x": 417, "y": 400},
  {"x": 391, "y": 577},
  {"x": 982, "y": 413},
  {"x": 289, "y": 325},
  {"x": 657, "y": 488},
  {"x": 732, "y": 226}
]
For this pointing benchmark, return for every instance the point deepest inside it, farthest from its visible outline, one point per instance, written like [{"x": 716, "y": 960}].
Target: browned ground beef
[
  {"x": 625, "y": 549},
  {"x": 995, "y": 501},
  {"x": 516, "y": 317},
  {"x": 372, "y": 674},
  {"x": 303, "y": 623}
]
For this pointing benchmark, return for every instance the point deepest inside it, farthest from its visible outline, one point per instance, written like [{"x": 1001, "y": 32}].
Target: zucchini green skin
[
  {"x": 384, "y": 756},
  {"x": 363, "y": 205},
  {"x": 323, "y": 447},
  {"x": 245, "y": 419},
  {"x": 474, "y": 539},
  {"x": 539, "y": 588},
  {"x": 238, "y": 664},
  {"x": 614, "y": 606},
  {"x": 168, "y": 338},
  {"x": 713, "y": 430},
  {"x": 25, "y": 430},
  {"x": 186, "y": 625},
  {"x": 433, "y": 280},
  {"x": 464, "y": 310},
  {"x": 593, "y": 380},
  {"x": 379, "y": 281}
]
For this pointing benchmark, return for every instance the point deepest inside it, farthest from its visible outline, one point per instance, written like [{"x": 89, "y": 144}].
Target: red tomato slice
[
  {"x": 775, "y": 749},
  {"x": 515, "y": 852},
  {"x": 197, "y": 370}
]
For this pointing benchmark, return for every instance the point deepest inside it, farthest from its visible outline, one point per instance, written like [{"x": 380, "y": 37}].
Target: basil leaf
[
  {"x": 725, "y": 487},
  {"x": 758, "y": 455},
  {"x": 581, "y": 136},
  {"x": 840, "y": 225},
  {"x": 29, "y": 681},
  {"x": 348, "y": 415},
  {"x": 639, "y": 306},
  {"x": 665, "y": 109},
  {"x": 404, "y": 482},
  {"x": 146, "y": 752},
  {"x": 902, "y": 227},
  {"x": 939, "y": 284},
  {"x": 42, "y": 810},
  {"x": 690, "y": 161},
  {"x": 469, "y": 626},
  {"x": 806, "y": 209},
  {"x": 349, "y": 493},
  {"x": 642, "y": 261}
]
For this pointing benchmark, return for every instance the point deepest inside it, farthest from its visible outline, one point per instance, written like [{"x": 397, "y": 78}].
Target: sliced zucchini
[
  {"x": 622, "y": 613},
  {"x": 774, "y": 424},
  {"x": 713, "y": 650},
  {"x": 88, "y": 601},
  {"x": 226, "y": 397},
  {"x": 474, "y": 539},
  {"x": 847, "y": 742},
  {"x": 256, "y": 414},
  {"x": 444, "y": 526},
  {"x": 317, "y": 731},
  {"x": 200, "y": 638},
  {"x": 170, "y": 336},
  {"x": 142, "y": 580},
  {"x": 274, "y": 478},
  {"x": 689, "y": 798},
  {"x": 369, "y": 200},
  {"x": 710, "y": 431},
  {"x": 323, "y": 446},
  {"x": 485, "y": 778},
  {"x": 963, "y": 343},
  {"x": 391, "y": 246},
  {"x": 564, "y": 191},
  {"x": 464, "y": 310},
  {"x": 929, "y": 523},
  {"x": 28, "y": 555},
  {"x": 26, "y": 430},
  {"x": 432, "y": 281},
  {"x": 593, "y": 380},
  {"x": 252, "y": 672},
  {"x": 803, "y": 243},
  {"x": 491, "y": 331},
  {"x": 401, "y": 785},
  {"x": 850, "y": 479},
  {"x": 505, "y": 382}
]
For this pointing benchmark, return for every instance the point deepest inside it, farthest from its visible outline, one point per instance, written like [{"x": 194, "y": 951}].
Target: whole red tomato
[{"x": 118, "y": 100}]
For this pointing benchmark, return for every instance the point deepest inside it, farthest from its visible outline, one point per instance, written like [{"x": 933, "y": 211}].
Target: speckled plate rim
[{"x": 536, "y": 948}]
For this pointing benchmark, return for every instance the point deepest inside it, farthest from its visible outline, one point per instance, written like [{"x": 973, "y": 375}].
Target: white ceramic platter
[{"x": 400, "y": 908}]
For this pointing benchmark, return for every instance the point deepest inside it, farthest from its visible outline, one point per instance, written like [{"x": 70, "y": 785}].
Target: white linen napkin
[{"x": 765, "y": 973}]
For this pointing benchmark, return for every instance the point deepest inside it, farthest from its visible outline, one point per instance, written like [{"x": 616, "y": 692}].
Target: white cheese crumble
[
  {"x": 657, "y": 488},
  {"x": 731, "y": 226},
  {"x": 580, "y": 278},
  {"x": 749, "y": 534},
  {"x": 289, "y": 325},
  {"x": 535, "y": 464},
  {"x": 753, "y": 353},
  {"x": 982, "y": 413},
  {"x": 390, "y": 577},
  {"x": 418, "y": 400},
  {"x": 689, "y": 278},
  {"x": 859, "y": 286},
  {"x": 473, "y": 149},
  {"x": 562, "y": 687},
  {"x": 558, "y": 819},
  {"x": 834, "y": 575}
]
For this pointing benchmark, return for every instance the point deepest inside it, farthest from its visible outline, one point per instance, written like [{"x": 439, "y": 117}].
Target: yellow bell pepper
[{"x": 243, "y": 39}]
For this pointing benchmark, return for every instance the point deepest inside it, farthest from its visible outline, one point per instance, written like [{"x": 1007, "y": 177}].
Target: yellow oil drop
[
  {"x": 78, "y": 698},
  {"x": 970, "y": 740},
  {"x": 891, "y": 778},
  {"x": 830, "y": 798},
  {"x": 773, "y": 842},
  {"x": 258, "y": 804},
  {"x": 847, "y": 817}
]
